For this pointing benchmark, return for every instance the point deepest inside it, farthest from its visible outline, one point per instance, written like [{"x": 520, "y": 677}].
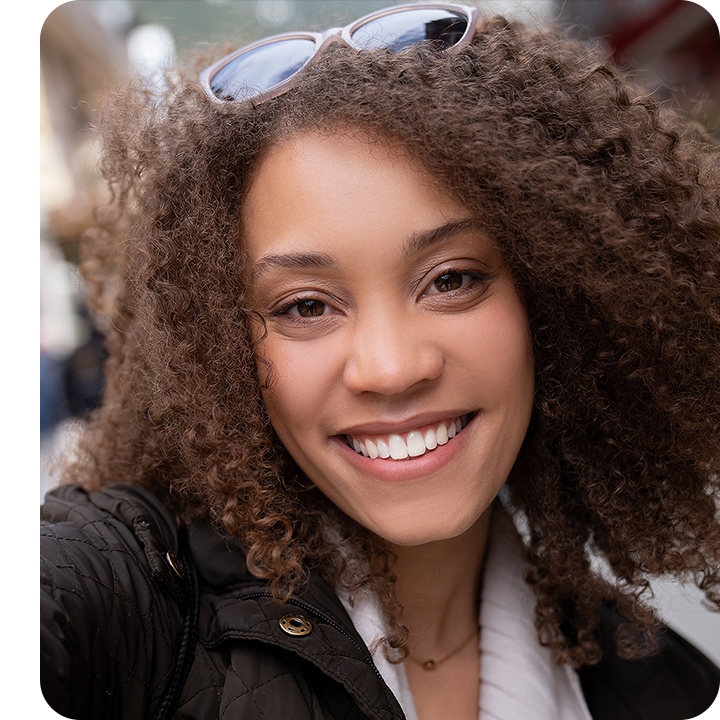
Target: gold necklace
[{"x": 431, "y": 664}]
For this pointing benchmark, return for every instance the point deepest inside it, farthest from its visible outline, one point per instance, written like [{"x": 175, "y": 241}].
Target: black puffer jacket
[{"x": 119, "y": 627}]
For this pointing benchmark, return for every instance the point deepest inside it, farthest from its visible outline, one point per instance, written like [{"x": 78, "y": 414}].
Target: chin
[{"x": 415, "y": 534}]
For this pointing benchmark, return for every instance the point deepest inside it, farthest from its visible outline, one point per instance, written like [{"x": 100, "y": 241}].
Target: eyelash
[
  {"x": 284, "y": 310},
  {"x": 474, "y": 278}
]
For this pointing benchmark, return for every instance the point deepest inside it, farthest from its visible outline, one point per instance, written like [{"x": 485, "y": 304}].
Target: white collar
[{"x": 519, "y": 678}]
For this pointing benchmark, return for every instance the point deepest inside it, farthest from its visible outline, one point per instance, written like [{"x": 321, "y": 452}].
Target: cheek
[
  {"x": 515, "y": 365},
  {"x": 296, "y": 383},
  {"x": 502, "y": 347}
]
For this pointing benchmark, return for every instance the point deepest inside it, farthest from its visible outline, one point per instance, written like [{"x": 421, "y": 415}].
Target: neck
[{"x": 438, "y": 586}]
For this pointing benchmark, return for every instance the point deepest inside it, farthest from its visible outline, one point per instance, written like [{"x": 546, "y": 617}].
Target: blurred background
[{"x": 88, "y": 46}]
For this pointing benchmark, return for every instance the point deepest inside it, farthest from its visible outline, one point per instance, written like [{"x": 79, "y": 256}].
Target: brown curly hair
[{"x": 606, "y": 207}]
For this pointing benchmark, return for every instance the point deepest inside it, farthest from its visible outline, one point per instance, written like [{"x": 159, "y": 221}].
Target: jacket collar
[{"x": 312, "y": 624}]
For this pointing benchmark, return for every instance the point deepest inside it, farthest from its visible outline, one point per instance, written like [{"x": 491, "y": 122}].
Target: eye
[
  {"x": 452, "y": 280},
  {"x": 305, "y": 315},
  {"x": 307, "y": 308},
  {"x": 449, "y": 281}
]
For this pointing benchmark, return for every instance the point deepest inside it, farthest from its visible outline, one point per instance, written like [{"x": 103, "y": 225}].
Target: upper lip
[{"x": 388, "y": 427}]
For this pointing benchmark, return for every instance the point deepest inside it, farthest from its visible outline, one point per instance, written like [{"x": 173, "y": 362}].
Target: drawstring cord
[{"x": 185, "y": 649}]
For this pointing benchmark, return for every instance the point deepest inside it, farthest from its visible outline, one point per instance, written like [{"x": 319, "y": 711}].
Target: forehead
[
  {"x": 315, "y": 161},
  {"x": 315, "y": 187}
]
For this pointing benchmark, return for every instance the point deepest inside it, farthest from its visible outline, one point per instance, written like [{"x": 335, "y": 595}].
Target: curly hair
[{"x": 606, "y": 208}]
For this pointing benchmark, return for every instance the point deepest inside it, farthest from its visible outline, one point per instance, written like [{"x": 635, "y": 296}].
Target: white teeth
[
  {"x": 398, "y": 448},
  {"x": 414, "y": 444},
  {"x": 372, "y": 449},
  {"x": 383, "y": 449},
  {"x": 430, "y": 439},
  {"x": 442, "y": 434}
]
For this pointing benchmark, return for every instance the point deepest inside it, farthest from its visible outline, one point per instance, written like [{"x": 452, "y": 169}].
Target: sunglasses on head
[{"x": 270, "y": 67}]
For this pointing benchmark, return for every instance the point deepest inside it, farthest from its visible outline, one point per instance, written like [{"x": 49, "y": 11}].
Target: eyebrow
[
  {"x": 416, "y": 243},
  {"x": 424, "y": 239},
  {"x": 293, "y": 261}
]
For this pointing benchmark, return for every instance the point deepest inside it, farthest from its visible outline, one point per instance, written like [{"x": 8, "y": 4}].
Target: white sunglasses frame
[{"x": 325, "y": 39}]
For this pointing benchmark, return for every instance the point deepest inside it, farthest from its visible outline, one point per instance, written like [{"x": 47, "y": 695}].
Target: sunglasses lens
[
  {"x": 261, "y": 68},
  {"x": 399, "y": 30}
]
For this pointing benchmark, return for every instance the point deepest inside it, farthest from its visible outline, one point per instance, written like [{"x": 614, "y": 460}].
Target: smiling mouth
[{"x": 412, "y": 444}]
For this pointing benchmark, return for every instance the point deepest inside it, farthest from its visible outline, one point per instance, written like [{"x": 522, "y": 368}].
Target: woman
[{"x": 411, "y": 389}]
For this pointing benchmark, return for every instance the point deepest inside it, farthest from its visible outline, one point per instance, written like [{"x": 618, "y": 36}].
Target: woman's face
[{"x": 402, "y": 379}]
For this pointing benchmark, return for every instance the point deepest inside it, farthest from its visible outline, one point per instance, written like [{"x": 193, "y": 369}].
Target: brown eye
[
  {"x": 448, "y": 281},
  {"x": 310, "y": 308}
]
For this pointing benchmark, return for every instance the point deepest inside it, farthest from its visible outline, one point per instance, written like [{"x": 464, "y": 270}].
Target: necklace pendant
[{"x": 429, "y": 664}]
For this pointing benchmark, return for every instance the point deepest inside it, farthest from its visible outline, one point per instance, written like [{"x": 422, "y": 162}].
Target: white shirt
[{"x": 519, "y": 678}]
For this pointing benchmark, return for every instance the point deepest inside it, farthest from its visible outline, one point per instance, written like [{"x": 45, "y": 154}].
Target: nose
[{"x": 390, "y": 357}]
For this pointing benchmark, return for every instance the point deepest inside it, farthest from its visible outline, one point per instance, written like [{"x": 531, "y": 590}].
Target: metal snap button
[
  {"x": 174, "y": 563},
  {"x": 296, "y": 625}
]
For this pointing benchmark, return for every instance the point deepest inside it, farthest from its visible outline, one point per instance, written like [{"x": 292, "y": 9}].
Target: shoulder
[
  {"x": 677, "y": 682},
  {"x": 120, "y": 505},
  {"x": 109, "y": 595},
  {"x": 122, "y": 524}
]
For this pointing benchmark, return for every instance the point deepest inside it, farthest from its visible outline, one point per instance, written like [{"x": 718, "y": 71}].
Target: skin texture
[
  {"x": 369, "y": 331},
  {"x": 603, "y": 205},
  {"x": 381, "y": 349}
]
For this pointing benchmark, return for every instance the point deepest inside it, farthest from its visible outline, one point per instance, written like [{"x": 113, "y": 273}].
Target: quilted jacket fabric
[{"x": 114, "y": 601}]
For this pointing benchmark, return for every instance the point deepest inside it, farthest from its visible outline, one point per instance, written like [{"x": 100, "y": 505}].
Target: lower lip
[{"x": 409, "y": 469}]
